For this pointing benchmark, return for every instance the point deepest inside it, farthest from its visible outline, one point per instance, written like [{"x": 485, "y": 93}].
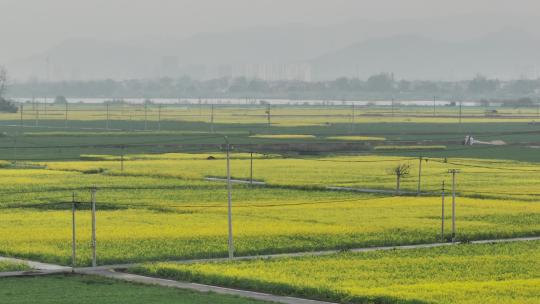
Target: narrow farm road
[
  {"x": 108, "y": 271},
  {"x": 36, "y": 265},
  {"x": 326, "y": 252}
]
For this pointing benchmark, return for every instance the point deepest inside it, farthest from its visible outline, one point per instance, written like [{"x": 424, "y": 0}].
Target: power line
[{"x": 485, "y": 167}]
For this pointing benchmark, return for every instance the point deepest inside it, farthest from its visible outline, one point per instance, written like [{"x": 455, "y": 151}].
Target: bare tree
[
  {"x": 3, "y": 81},
  {"x": 400, "y": 171}
]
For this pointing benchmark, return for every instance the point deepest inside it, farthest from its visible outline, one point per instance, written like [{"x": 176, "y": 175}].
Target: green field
[
  {"x": 155, "y": 204},
  {"x": 494, "y": 273},
  {"x": 86, "y": 290},
  {"x": 46, "y": 134}
]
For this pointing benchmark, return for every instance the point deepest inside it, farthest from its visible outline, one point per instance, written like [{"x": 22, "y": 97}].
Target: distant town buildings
[
  {"x": 170, "y": 66},
  {"x": 273, "y": 72}
]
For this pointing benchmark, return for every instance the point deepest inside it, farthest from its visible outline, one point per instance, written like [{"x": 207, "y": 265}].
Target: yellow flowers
[
  {"x": 281, "y": 115},
  {"x": 357, "y": 138},
  {"x": 478, "y": 178},
  {"x": 160, "y": 208},
  {"x": 493, "y": 273},
  {"x": 412, "y": 148},
  {"x": 191, "y": 222},
  {"x": 283, "y": 136}
]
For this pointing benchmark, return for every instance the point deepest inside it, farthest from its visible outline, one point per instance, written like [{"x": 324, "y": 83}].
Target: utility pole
[
  {"x": 392, "y": 107},
  {"x": 22, "y": 121},
  {"x": 434, "y": 105},
  {"x": 251, "y": 169},
  {"x": 442, "y": 214},
  {"x": 45, "y": 107},
  {"x": 460, "y": 110},
  {"x": 352, "y": 118},
  {"x": 94, "y": 260},
  {"x": 15, "y": 147},
  {"x": 159, "y": 117},
  {"x": 212, "y": 119},
  {"x": 268, "y": 115},
  {"x": 145, "y": 116},
  {"x": 66, "y": 117},
  {"x": 453, "y": 172},
  {"x": 73, "y": 234},
  {"x": 229, "y": 192},
  {"x": 37, "y": 113},
  {"x": 419, "y": 175},
  {"x": 107, "y": 124},
  {"x": 122, "y": 161}
]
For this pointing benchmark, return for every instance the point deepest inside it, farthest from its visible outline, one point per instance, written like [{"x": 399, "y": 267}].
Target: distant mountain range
[
  {"x": 357, "y": 49},
  {"x": 505, "y": 54}
]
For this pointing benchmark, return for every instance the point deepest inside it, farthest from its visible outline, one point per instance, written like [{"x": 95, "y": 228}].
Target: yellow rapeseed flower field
[
  {"x": 469, "y": 274},
  {"x": 478, "y": 178},
  {"x": 160, "y": 208}
]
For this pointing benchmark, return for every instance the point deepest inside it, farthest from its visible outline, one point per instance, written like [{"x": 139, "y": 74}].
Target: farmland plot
[
  {"x": 490, "y": 273},
  {"x": 143, "y": 218},
  {"x": 478, "y": 178}
]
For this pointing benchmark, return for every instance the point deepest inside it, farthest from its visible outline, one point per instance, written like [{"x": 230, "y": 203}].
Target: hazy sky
[
  {"x": 43, "y": 23},
  {"x": 31, "y": 26}
]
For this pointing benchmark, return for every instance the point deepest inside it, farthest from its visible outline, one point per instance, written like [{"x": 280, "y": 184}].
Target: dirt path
[
  {"x": 324, "y": 252},
  {"x": 197, "y": 287},
  {"x": 108, "y": 271}
]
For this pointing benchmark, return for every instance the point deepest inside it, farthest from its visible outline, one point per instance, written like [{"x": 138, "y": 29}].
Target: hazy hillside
[
  {"x": 503, "y": 54},
  {"x": 439, "y": 49}
]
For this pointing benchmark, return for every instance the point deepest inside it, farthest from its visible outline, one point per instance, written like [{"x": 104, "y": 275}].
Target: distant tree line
[
  {"x": 5, "y": 105},
  {"x": 380, "y": 86}
]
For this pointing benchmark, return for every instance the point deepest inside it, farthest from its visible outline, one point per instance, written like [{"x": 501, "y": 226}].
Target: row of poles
[
  {"x": 93, "y": 209},
  {"x": 107, "y": 115},
  {"x": 230, "y": 242},
  {"x": 267, "y": 112}
]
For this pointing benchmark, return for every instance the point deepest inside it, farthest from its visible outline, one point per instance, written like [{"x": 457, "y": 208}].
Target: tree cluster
[
  {"x": 5, "y": 105},
  {"x": 380, "y": 86}
]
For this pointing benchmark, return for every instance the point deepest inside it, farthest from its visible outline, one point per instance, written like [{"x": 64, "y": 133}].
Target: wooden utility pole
[
  {"x": 66, "y": 116},
  {"x": 73, "y": 234},
  {"x": 122, "y": 160},
  {"x": 460, "y": 111},
  {"x": 434, "y": 105},
  {"x": 251, "y": 169},
  {"x": 453, "y": 172},
  {"x": 22, "y": 120},
  {"x": 419, "y": 175},
  {"x": 15, "y": 147},
  {"x": 352, "y": 117},
  {"x": 212, "y": 119},
  {"x": 107, "y": 125},
  {"x": 229, "y": 194},
  {"x": 145, "y": 116},
  {"x": 93, "y": 197},
  {"x": 37, "y": 113},
  {"x": 268, "y": 116},
  {"x": 159, "y": 117},
  {"x": 442, "y": 214}
]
